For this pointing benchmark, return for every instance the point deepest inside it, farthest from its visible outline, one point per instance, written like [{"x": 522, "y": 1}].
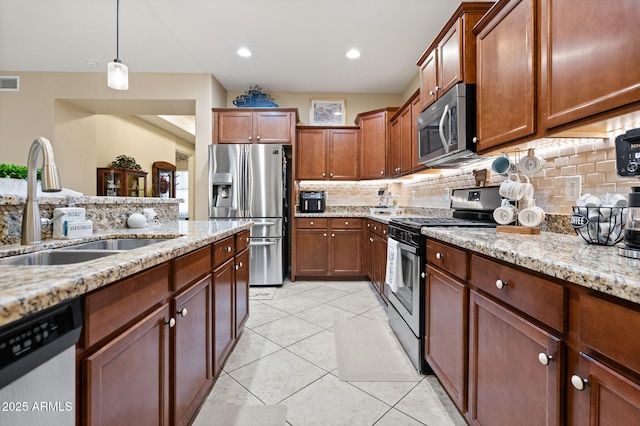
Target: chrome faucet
[{"x": 31, "y": 224}]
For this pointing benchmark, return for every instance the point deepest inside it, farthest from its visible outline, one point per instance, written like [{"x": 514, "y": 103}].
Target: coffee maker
[{"x": 628, "y": 165}]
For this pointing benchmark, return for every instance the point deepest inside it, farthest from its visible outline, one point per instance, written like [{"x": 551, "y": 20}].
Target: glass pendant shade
[{"x": 117, "y": 75}]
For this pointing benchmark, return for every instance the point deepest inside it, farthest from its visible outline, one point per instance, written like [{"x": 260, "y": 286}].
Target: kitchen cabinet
[
  {"x": 376, "y": 251},
  {"x": 445, "y": 321},
  {"x": 508, "y": 378},
  {"x": 404, "y": 139},
  {"x": 163, "y": 180},
  {"x": 451, "y": 57},
  {"x": 506, "y": 65},
  {"x": 224, "y": 332},
  {"x": 329, "y": 153},
  {"x": 328, "y": 247},
  {"x": 121, "y": 182},
  {"x": 415, "y": 112},
  {"x": 254, "y": 125},
  {"x": 241, "y": 295},
  {"x": 192, "y": 375},
  {"x": 589, "y": 62},
  {"x": 375, "y": 134}
]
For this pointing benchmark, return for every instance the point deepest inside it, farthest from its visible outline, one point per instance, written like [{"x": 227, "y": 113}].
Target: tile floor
[{"x": 286, "y": 356}]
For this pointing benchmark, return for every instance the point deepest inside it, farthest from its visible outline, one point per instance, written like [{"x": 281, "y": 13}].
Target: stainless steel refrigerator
[{"x": 247, "y": 181}]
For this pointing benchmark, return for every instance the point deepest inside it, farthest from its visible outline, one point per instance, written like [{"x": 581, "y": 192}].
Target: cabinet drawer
[
  {"x": 610, "y": 329},
  {"x": 223, "y": 250},
  {"x": 190, "y": 267},
  {"x": 311, "y": 222},
  {"x": 542, "y": 299},
  {"x": 346, "y": 223},
  {"x": 242, "y": 241},
  {"x": 378, "y": 228},
  {"x": 109, "y": 309},
  {"x": 447, "y": 258}
]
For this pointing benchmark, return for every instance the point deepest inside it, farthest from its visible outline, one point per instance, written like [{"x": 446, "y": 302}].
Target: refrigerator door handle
[
  {"x": 261, "y": 244},
  {"x": 264, "y": 224}
]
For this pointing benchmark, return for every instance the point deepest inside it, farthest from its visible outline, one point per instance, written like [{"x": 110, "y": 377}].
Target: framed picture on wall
[{"x": 327, "y": 112}]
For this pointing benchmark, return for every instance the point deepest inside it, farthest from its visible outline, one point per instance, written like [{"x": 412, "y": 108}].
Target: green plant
[
  {"x": 14, "y": 171},
  {"x": 125, "y": 162}
]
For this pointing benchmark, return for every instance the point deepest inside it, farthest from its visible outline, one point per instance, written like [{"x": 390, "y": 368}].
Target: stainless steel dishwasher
[{"x": 37, "y": 367}]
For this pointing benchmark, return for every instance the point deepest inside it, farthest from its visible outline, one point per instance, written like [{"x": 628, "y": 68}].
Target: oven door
[{"x": 406, "y": 299}]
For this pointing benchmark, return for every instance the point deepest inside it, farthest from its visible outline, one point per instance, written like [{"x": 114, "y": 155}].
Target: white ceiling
[{"x": 298, "y": 45}]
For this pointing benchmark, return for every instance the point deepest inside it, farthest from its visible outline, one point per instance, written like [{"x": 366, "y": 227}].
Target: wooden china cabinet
[
  {"x": 121, "y": 182},
  {"x": 163, "y": 180}
]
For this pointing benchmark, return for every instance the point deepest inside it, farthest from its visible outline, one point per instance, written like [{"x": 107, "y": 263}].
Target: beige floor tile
[
  {"x": 324, "y": 294},
  {"x": 292, "y": 304},
  {"x": 324, "y": 315},
  {"x": 277, "y": 376},
  {"x": 249, "y": 348},
  {"x": 388, "y": 392},
  {"x": 348, "y": 286},
  {"x": 397, "y": 418},
  {"x": 423, "y": 404},
  {"x": 319, "y": 349},
  {"x": 329, "y": 401},
  {"x": 287, "y": 331},
  {"x": 358, "y": 302},
  {"x": 227, "y": 391},
  {"x": 263, "y": 314},
  {"x": 377, "y": 313}
]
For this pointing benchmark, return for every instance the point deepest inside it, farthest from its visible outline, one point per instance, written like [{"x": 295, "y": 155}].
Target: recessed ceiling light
[
  {"x": 244, "y": 52},
  {"x": 353, "y": 54},
  {"x": 91, "y": 64}
]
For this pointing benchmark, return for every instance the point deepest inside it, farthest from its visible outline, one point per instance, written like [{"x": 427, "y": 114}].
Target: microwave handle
[{"x": 445, "y": 143}]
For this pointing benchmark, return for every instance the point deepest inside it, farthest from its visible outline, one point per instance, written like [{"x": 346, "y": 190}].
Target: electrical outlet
[{"x": 572, "y": 191}]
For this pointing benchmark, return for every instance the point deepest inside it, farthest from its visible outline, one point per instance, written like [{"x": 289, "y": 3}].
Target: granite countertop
[
  {"x": 566, "y": 257},
  {"x": 28, "y": 289}
]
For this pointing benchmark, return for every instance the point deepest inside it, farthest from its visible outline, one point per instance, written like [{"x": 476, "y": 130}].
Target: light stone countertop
[
  {"x": 566, "y": 257},
  {"x": 28, "y": 289}
]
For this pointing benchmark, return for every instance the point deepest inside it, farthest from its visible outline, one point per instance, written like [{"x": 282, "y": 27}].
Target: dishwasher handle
[{"x": 262, "y": 243}]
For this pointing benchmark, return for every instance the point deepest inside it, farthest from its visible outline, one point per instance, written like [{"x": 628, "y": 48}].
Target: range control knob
[{"x": 632, "y": 167}]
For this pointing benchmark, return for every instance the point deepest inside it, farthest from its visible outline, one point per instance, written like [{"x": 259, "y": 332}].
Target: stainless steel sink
[
  {"x": 55, "y": 257},
  {"x": 116, "y": 244}
]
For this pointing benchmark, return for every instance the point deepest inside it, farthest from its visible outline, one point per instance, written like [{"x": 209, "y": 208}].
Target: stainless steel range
[{"x": 406, "y": 271}]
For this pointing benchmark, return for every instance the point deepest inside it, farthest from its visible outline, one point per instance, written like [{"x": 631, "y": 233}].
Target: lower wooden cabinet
[
  {"x": 597, "y": 395},
  {"x": 223, "y": 314},
  {"x": 375, "y": 250},
  {"x": 509, "y": 382},
  {"x": 445, "y": 340},
  {"x": 127, "y": 380},
  {"x": 241, "y": 290},
  {"x": 191, "y": 376}
]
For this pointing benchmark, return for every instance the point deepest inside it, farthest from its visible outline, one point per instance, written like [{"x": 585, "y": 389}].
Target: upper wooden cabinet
[
  {"x": 451, "y": 58},
  {"x": 327, "y": 153},
  {"x": 590, "y": 62},
  {"x": 375, "y": 134},
  {"x": 254, "y": 125},
  {"x": 403, "y": 158},
  {"x": 506, "y": 59}
]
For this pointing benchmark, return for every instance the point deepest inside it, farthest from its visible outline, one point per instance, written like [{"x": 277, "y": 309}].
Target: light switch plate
[{"x": 572, "y": 191}]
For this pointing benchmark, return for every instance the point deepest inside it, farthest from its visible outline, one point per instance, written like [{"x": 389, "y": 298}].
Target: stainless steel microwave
[{"x": 446, "y": 129}]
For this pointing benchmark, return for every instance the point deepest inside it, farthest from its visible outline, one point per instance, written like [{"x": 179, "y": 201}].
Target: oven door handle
[
  {"x": 405, "y": 247},
  {"x": 445, "y": 143}
]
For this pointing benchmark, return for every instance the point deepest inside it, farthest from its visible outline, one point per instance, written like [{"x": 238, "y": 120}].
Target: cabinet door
[
  {"x": 233, "y": 127},
  {"x": 242, "y": 290},
  {"x": 450, "y": 58},
  {"x": 445, "y": 342},
  {"x": 602, "y": 396},
  {"x": 344, "y": 154},
  {"x": 428, "y": 80},
  {"x": 192, "y": 377},
  {"x": 223, "y": 315},
  {"x": 415, "y": 112},
  {"x": 591, "y": 61},
  {"x": 406, "y": 141},
  {"x": 311, "y": 251},
  {"x": 273, "y": 127},
  {"x": 311, "y": 161},
  {"x": 395, "y": 153},
  {"x": 506, "y": 89},
  {"x": 127, "y": 380},
  {"x": 373, "y": 130},
  {"x": 345, "y": 252},
  {"x": 507, "y": 381}
]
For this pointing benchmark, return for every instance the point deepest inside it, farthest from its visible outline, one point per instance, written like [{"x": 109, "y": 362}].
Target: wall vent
[{"x": 9, "y": 84}]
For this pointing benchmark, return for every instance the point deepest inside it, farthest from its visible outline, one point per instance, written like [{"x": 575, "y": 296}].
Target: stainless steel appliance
[
  {"x": 248, "y": 181},
  {"x": 472, "y": 208},
  {"x": 628, "y": 165},
  {"x": 447, "y": 129},
  {"x": 312, "y": 201}
]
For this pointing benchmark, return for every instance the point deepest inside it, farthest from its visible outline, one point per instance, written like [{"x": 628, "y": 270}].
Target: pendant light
[{"x": 117, "y": 72}]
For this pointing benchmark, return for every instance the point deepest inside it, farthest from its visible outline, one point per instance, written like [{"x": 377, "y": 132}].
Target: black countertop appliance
[{"x": 312, "y": 201}]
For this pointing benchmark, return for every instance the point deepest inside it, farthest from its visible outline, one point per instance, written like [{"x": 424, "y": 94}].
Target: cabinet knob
[
  {"x": 578, "y": 382},
  {"x": 227, "y": 249},
  {"x": 544, "y": 358},
  {"x": 183, "y": 312},
  {"x": 171, "y": 323},
  {"x": 437, "y": 88},
  {"x": 258, "y": 137},
  {"x": 346, "y": 223},
  {"x": 423, "y": 275},
  {"x": 324, "y": 174},
  {"x": 381, "y": 172},
  {"x": 331, "y": 174},
  {"x": 236, "y": 267},
  {"x": 333, "y": 235},
  {"x": 439, "y": 256},
  {"x": 247, "y": 239},
  {"x": 325, "y": 234},
  {"x": 311, "y": 223},
  {"x": 368, "y": 225},
  {"x": 431, "y": 92},
  {"x": 475, "y": 139},
  {"x": 370, "y": 239},
  {"x": 250, "y": 138},
  {"x": 384, "y": 232},
  {"x": 501, "y": 284}
]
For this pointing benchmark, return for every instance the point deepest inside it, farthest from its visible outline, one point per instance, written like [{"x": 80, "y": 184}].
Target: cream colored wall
[
  {"x": 411, "y": 87},
  {"x": 355, "y": 103},
  {"x": 36, "y": 110}
]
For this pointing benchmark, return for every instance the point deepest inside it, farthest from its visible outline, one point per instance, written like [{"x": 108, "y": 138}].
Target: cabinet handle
[
  {"x": 501, "y": 284},
  {"x": 258, "y": 137},
  {"x": 578, "y": 382},
  {"x": 544, "y": 358},
  {"x": 171, "y": 323},
  {"x": 183, "y": 312},
  {"x": 439, "y": 256}
]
